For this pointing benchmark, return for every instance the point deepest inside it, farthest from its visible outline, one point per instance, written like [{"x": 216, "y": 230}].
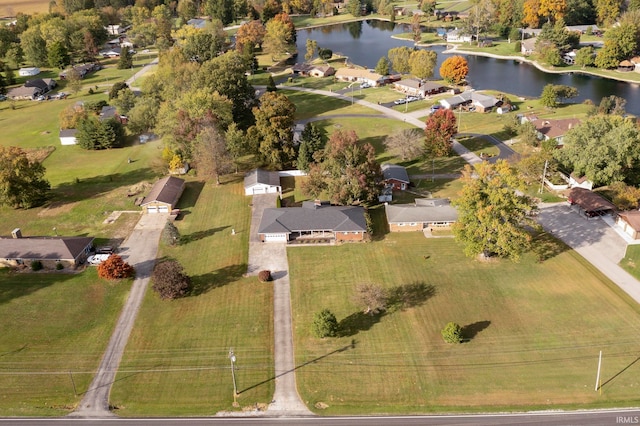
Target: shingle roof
[
  {"x": 259, "y": 176},
  {"x": 45, "y": 248},
  {"x": 358, "y": 73},
  {"x": 555, "y": 128},
  {"x": 313, "y": 218},
  {"x": 589, "y": 200},
  {"x": 632, "y": 217},
  {"x": 108, "y": 112},
  {"x": 393, "y": 171},
  {"x": 438, "y": 212},
  {"x": 67, "y": 133},
  {"x": 166, "y": 190},
  {"x": 22, "y": 91}
]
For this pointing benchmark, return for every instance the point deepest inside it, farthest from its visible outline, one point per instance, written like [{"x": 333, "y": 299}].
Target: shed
[
  {"x": 68, "y": 136},
  {"x": 395, "y": 176},
  {"x": 26, "y": 72},
  {"x": 260, "y": 181},
  {"x": 164, "y": 195}
]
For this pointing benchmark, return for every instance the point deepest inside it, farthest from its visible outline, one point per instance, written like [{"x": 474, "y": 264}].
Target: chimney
[
  {"x": 317, "y": 203},
  {"x": 16, "y": 233}
]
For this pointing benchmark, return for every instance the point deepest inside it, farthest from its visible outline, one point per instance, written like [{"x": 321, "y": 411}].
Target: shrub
[
  {"x": 264, "y": 276},
  {"x": 90, "y": 91},
  {"x": 452, "y": 333},
  {"x": 36, "y": 265},
  {"x": 169, "y": 281},
  {"x": 170, "y": 234},
  {"x": 59, "y": 266},
  {"x": 518, "y": 46},
  {"x": 324, "y": 324},
  {"x": 114, "y": 268}
]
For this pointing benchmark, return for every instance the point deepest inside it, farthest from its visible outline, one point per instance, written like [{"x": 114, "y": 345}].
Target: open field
[
  {"x": 176, "y": 361},
  {"x": 55, "y": 328},
  {"x": 535, "y": 330},
  {"x": 11, "y": 7}
]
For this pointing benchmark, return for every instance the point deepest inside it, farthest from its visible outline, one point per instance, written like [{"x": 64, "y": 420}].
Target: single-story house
[
  {"x": 108, "y": 112},
  {"x": 26, "y": 72},
  {"x": 629, "y": 221},
  {"x": 112, "y": 52},
  {"x": 415, "y": 87},
  {"x": 45, "y": 84},
  {"x": 457, "y": 36},
  {"x": 68, "y": 136},
  {"x": 590, "y": 203},
  {"x": 23, "y": 92},
  {"x": 313, "y": 70},
  {"x": 117, "y": 29},
  {"x": 81, "y": 70},
  {"x": 68, "y": 251},
  {"x": 260, "y": 181},
  {"x": 551, "y": 129},
  {"x": 164, "y": 195},
  {"x": 583, "y": 29},
  {"x": 359, "y": 75},
  {"x": 197, "y": 23},
  {"x": 122, "y": 41},
  {"x": 395, "y": 176},
  {"x": 528, "y": 46},
  {"x": 313, "y": 220},
  {"x": 424, "y": 213},
  {"x": 482, "y": 103},
  {"x": 531, "y": 32}
]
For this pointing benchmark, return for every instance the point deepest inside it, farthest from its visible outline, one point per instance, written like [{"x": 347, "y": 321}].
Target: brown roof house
[
  {"x": 49, "y": 251},
  {"x": 629, "y": 222},
  {"x": 415, "y": 87},
  {"x": 314, "y": 220},
  {"x": 425, "y": 213},
  {"x": 164, "y": 195},
  {"x": 552, "y": 129}
]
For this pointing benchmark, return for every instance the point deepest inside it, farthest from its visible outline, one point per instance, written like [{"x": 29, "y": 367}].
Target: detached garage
[
  {"x": 262, "y": 182},
  {"x": 164, "y": 196}
]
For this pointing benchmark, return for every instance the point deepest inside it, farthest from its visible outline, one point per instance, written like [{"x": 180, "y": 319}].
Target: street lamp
[{"x": 232, "y": 357}]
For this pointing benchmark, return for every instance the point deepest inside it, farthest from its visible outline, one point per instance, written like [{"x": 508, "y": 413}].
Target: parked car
[
  {"x": 434, "y": 108},
  {"x": 413, "y": 99},
  {"x": 365, "y": 85},
  {"x": 97, "y": 259},
  {"x": 400, "y": 101},
  {"x": 104, "y": 250}
]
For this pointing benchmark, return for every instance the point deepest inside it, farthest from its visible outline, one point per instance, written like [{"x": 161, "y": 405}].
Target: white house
[
  {"x": 68, "y": 136},
  {"x": 455, "y": 35},
  {"x": 359, "y": 75},
  {"x": 260, "y": 181},
  {"x": 25, "y": 72}
]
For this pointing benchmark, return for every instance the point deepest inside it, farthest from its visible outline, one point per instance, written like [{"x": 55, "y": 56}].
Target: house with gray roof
[
  {"x": 395, "y": 176},
  {"x": 68, "y": 136},
  {"x": 164, "y": 195},
  {"x": 314, "y": 219},
  {"x": 260, "y": 181},
  {"x": 481, "y": 103},
  {"x": 424, "y": 213},
  {"x": 67, "y": 251},
  {"x": 23, "y": 92}
]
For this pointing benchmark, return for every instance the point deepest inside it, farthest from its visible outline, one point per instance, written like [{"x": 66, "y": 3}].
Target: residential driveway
[
  {"x": 594, "y": 240},
  {"x": 273, "y": 256},
  {"x": 139, "y": 250}
]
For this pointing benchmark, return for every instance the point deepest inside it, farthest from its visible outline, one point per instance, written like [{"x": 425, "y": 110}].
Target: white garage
[
  {"x": 276, "y": 238},
  {"x": 262, "y": 182},
  {"x": 152, "y": 209}
]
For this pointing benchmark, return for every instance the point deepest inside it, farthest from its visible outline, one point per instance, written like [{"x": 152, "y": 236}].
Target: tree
[
  {"x": 312, "y": 142},
  {"x": 399, "y": 58},
  {"x": 585, "y": 57},
  {"x": 280, "y": 38},
  {"x": 481, "y": 17},
  {"x": 416, "y": 28},
  {"x": 625, "y": 197},
  {"x": 95, "y": 134},
  {"x": 324, "y": 324},
  {"x": 493, "y": 212},
  {"x": 250, "y": 35},
  {"x": 170, "y": 234},
  {"x": 142, "y": 117},
  {"x": 57, "y": 55},
  {"x": 620, "y": 43},
  {"x": 237, "y": 144},
  {"x": 325, "y": 54},
  {"x": 348, "y": 172},
  {"x": 607, "y": 11},
  {"x": 579, "y": 11},
  {"x": 548, "y": 96},
  {"x": 201, "y": 46},
  {"x": 115, "y": 268},
  {"x": 116, "y": 88},
  {"x": 311, "y": 46},
  {"x": 531, "y": 17},
  {"x": 612, "y": 105},
  {"x": 211, "y": 156},
  {"x": 34, "y": 47},
  {"x": 126, "y": 59},
  {"x": 125, "y": 100},
  {"x": 169, "y": 280},
  {"x": 274, "y": 122},
  {"x": 565, "y": 92},
  {"x": 22, "y": 182},
  {"x": 603, "y": 148},
  {"x": 271, "y": 84},
  {"x": 354, "y": 7},
  {"x": 440, "y": 128},
  {"x": 553, "y": 10},
  {"x": 74, "y": 80},
  {"x": 454, "y": 69},
  {"x": 422, "y": 63},
  {"x": 452, "y": 333},
  {"x": 428, "y": 6},
  {"x": 71, "y": 116},
  {"x": 220, "y": 9},
  {"x": 382, "y": 67},
  {"x": 373, "y": 297},
  {"x": 407, "y": 144}
]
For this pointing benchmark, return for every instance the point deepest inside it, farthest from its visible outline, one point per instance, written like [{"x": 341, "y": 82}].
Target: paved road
[
  {"x": 273, "y": 256},
  {"x": 139, "y": 250},
  {"x": 594, "y": 240}
]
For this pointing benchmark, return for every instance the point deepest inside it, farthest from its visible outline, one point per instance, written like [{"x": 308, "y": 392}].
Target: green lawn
[
  {"x": 479, "y": 146},
  {"x": 535, "y": 330},
  {"x": 176, "y": 361},
  {"x": 55, "y": 328},
  {"x": 631, "y": 261}
]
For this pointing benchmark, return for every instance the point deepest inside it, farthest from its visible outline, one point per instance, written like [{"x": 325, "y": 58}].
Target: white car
[
  {"x": 400, "y": 101},
  {"x": 97, "y": 259},
  {"x": 365, "y": 85}
]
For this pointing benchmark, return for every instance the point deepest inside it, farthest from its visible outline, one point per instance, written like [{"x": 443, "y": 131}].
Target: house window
[
  {"x": 412, "y": 224},
  {"x": 345, "y": 233},
  {"x": 401, "y": 224}
]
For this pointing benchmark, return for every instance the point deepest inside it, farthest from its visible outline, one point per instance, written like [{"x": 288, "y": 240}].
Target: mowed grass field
[
  {"x": 176, "y": 361},
  {"x": 55, "y": 328},
  {"x": 11, "y": 7},
  {"x": 535, "y": 329}
]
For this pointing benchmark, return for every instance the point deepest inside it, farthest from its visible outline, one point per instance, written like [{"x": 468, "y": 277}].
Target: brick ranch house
[
  {"x": 425, "y": 213},
  {"x": 68, "y": 251},
  {"x": 313, "y": 220}
]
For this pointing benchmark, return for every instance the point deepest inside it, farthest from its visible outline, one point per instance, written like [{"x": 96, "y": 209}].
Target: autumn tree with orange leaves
[
  {"x": 440, "y": 128},
  {"x": 454, "y": 69}
]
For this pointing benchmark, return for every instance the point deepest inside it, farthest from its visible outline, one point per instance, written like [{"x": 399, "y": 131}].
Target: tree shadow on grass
[
  {"x": 201, "y": 284},
  {"x": 471, "y": 330},
  {"x": 545, "y": 246},
  {"x": 409, "y": 296},
  {"x": 195, "y": 236},
  {"x": 357, "y": 322}
]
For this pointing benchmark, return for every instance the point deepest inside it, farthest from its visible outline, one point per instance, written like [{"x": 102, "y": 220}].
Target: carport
[{"x": 589, "y": 203}]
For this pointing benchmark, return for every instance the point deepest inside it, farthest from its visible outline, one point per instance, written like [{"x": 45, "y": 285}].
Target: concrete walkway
[
  {"x": 140, "y": 251},
  {"x": 594, "y": 240},
  {"x": 273, "y": 256}
]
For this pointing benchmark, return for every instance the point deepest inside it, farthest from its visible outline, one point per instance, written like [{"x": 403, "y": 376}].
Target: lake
[{"x": 365, "y": 42}]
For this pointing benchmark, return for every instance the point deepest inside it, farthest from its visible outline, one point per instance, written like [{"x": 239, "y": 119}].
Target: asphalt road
[{"x": 593, "y": 418}]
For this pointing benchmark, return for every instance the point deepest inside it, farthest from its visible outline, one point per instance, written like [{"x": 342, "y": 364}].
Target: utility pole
[
  {"x": 598, "y": 387},
  {"x": 544, "y": 175},
  {"x": 232, "y": 357}
]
